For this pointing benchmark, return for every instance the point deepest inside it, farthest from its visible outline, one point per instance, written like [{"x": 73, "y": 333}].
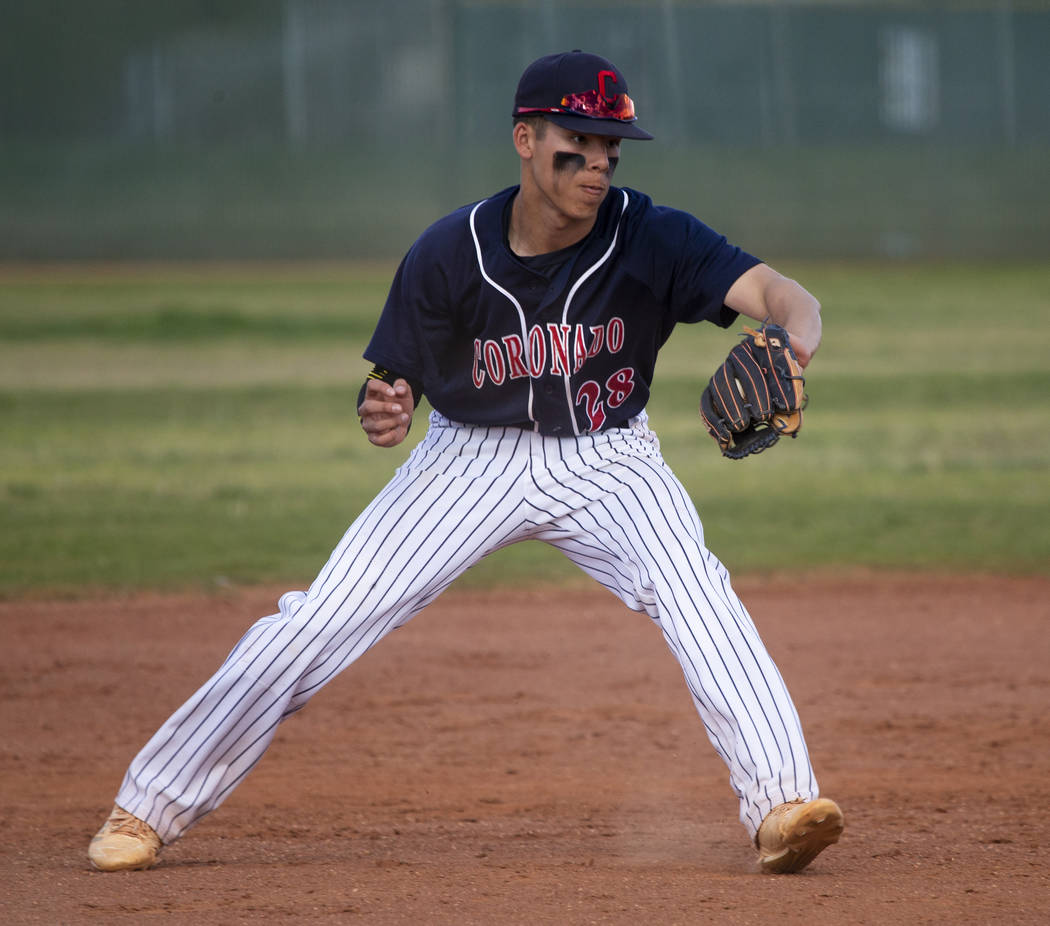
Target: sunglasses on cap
[{"x": 590, "y": 103}]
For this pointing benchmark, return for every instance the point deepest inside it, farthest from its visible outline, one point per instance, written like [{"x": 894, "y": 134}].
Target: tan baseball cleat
[
  {"x": 794, "y": 834},
  {"x": 124, "y": 843}
]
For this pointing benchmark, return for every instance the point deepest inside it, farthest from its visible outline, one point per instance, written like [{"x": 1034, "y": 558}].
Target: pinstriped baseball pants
[{"x": 607, "y": 501}]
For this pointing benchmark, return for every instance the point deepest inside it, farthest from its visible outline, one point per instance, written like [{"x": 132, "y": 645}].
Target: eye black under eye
[{"x": 564, "y": 160}]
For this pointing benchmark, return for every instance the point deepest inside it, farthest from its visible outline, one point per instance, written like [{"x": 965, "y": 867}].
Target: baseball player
[{"x": 531, "y": 321}]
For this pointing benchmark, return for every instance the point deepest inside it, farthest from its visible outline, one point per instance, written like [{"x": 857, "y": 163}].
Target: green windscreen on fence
[{"x": 339, "y": 129}]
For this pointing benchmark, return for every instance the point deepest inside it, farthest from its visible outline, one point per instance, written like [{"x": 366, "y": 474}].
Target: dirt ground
[{"x": 533, "y": 757}]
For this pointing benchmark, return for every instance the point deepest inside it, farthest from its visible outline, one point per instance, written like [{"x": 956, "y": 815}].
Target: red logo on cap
[{"x": 602, "y": 75}]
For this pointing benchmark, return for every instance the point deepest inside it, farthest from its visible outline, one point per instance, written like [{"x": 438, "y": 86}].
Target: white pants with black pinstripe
[{"x": 607, "y": 501}]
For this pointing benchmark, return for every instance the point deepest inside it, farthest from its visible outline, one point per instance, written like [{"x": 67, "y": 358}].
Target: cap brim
[{"x": 588, "y": 126}]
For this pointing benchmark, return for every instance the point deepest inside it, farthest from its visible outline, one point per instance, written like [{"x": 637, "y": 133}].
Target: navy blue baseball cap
[{"x": 580, "y": 92}]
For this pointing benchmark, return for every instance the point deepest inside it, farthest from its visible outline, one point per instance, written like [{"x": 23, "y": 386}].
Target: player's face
[{"x": 573, "y": 171}]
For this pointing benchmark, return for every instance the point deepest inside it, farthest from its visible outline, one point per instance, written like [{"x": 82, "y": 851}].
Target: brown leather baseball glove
[{"x": 756, "y": 396}]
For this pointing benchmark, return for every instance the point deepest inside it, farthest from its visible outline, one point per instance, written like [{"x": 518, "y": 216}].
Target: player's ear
[{"x": 524, "y": 137}]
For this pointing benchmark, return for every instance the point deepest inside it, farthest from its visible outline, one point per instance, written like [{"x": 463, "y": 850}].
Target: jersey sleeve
[
  {"x": 693, "y": 267},
  {"x": 416, "y": 323},
  {"x": 394, "y": 343}
]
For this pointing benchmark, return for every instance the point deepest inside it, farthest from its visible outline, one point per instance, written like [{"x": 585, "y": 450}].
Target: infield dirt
[{"x": 533, "y": 757}]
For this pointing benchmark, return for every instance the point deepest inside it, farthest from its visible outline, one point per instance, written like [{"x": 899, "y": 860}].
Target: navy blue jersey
[{"x": 495, "y": 341}]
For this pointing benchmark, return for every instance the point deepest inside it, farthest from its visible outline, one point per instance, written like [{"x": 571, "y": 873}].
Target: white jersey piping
[
  {"x": 507, "y": 293},
  {"x": 565, "y": 312}
]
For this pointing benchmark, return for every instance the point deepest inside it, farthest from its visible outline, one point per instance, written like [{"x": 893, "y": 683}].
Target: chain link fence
[{"x": 337, "y": 128}]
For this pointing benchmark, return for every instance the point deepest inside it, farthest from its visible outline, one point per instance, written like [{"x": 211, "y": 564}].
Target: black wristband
[{"x": 390, "y": 377}]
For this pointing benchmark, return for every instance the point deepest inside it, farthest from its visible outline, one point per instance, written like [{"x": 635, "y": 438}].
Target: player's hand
[{"x": 386, "y": 412}]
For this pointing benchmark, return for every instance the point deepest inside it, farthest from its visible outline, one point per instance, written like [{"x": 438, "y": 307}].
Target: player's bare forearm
[
  {"x": 386, "y": 412},
  {"x": 765, "y": 295},
  {"x": 797, "y": 311}
]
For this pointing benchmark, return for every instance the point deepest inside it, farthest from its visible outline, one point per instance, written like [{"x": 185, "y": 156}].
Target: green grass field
[{"x": 194, "y": 426}]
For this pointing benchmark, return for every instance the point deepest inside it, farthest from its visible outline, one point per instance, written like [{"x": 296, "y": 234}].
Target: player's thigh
[
  {"x": 649, "y": 521},
  {"x": 421, "y": 531}
]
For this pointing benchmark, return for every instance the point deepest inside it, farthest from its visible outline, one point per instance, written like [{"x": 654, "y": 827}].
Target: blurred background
[
  {"x": 202, "y": 202},
  {"x": 340, "y": 128}
]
